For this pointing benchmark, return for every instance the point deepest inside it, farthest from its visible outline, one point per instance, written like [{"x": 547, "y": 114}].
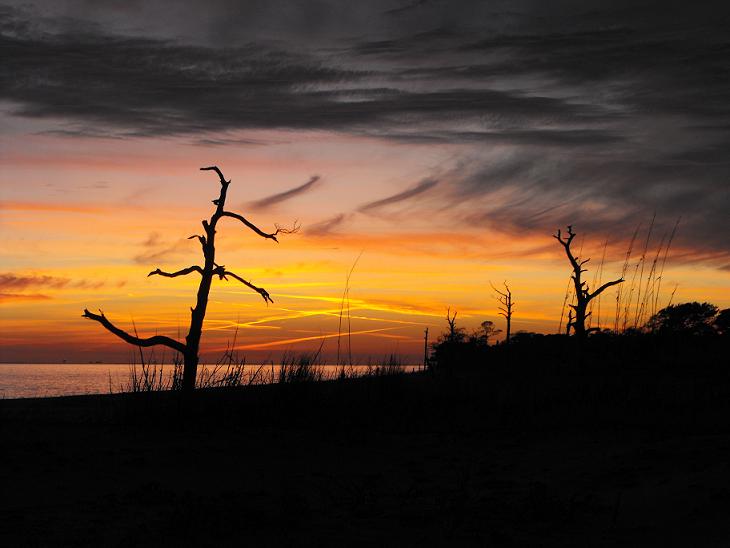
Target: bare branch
[
  {"x": 604, "y": 287},
  {"x": 183, "y": 272},
  {"x": 260, "y": 290},
  {"x": 257, "y": 230},
  {"x": 151, "y": 341},
  {"x": 497, "y": 290},
  {"x": 218, "y": 171},
  {"x": 201, "y": 239},
  {"x": 293, "y": 230}
]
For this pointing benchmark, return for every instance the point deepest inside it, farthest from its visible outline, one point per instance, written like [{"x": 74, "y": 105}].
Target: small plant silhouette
[
  {"x": 583, "y": 294},
  {"x": 190, "y": 348}
]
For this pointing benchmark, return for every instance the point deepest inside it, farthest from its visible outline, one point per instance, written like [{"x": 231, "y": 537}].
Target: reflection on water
[{"x": 30, "y": 380}]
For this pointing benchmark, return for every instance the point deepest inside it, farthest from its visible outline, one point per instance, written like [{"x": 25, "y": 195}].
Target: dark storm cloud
[
  {"x": 406, "y": 7},
  {"x": 565, "y": 111},
  {"x": 286, "y": 195},
  {"x": 145, "y": 87},
  {"x": 602, "y": 196},
  {"x": 576, "y": 137}
]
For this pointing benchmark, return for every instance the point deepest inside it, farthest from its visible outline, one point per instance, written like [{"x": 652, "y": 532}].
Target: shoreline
[{"x": 560, "y": 457}]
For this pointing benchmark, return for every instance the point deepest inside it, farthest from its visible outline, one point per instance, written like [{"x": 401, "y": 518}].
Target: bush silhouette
[{"x": 684, "y": 319}]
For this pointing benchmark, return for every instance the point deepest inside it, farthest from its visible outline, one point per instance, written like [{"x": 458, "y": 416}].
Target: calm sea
[{"x": 32, "y": 380}]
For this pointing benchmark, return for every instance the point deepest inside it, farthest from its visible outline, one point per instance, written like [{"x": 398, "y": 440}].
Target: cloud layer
[{"x": 568, "y": 113}]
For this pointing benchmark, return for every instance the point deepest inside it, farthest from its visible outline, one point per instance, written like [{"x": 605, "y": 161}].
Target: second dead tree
[
  {"x": 583, "y": 294},
  {"x": 505, "y": 308}
]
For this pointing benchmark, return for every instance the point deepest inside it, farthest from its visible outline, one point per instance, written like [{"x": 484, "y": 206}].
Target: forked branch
[
  {"x": 568, "y": 239},
  {"x": 219, "y": 172},
  {"x": 150, "y": 341}
]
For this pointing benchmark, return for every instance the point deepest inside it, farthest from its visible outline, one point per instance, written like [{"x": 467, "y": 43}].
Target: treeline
[{"x": 677, "y": 332}]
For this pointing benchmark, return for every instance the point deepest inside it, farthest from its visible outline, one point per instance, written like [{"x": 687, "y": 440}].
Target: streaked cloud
[
  {"x": 289, "y": 342},
  {"x": 17, "y": 282},
  {"x": 326, "y": 227},
  {"x": 50, "y": 207},
  {"x": 157, "y": 250},
  {"x": 5, "y": 297},
  {"x": 416, "y": 190},
  {"x": 269, "y": 201}
]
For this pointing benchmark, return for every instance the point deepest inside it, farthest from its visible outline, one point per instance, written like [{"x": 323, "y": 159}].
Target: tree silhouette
[
  {"x": 210, "y": 269},
  {"x": 722, "y": 322},
  {"x": 583, "y": 294},
  {"x": 684, "y": 319},
  {"x": 455, "y": 334},
  {"x": 489, "y": 330},
  {"x": 505, "y": 310}
]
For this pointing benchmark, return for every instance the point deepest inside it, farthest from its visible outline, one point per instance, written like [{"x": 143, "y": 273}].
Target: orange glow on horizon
[{"x": 86, "y": 228}]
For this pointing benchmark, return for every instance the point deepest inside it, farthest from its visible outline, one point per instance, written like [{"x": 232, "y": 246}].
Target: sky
[{"x": 430, "y": 148}]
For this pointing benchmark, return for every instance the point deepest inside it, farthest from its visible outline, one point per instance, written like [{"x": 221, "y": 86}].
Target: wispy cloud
[
  {"x": 7, "y": 297},
  {"x": 11, "y": 283},
  {"x": 420, "y": 188},
  {"x": 49, "y": 207},
  {"x": 269, "y": 201},
  {"x": 158, "y": 250},
  {"x": 287, "y": 342},
  {"x": 327, "y": 226}
]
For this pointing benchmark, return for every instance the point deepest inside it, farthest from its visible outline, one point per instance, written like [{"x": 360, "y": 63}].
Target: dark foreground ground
[{"x": 550, "y": 456}]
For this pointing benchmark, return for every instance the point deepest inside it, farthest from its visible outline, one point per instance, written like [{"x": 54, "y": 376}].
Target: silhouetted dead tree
[
  {"x": 505, "y": 308},
  {"x": 582, "y": 292},
  {"x": 453, "y": 332},
  {"x": 209, "y": 270}
]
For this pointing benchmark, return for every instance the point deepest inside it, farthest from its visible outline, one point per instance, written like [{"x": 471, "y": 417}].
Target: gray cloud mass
[{"x": 566, "y": 111}]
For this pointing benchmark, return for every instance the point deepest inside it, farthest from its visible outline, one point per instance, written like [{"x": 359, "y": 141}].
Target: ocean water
[{"x": 33, "y": 380}]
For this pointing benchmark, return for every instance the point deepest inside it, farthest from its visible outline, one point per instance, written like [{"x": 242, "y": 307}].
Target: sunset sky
[{"x": 440, "y": 142}]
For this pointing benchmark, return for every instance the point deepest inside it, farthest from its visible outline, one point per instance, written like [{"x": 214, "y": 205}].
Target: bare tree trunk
[{"x": 192, "y": 340}]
